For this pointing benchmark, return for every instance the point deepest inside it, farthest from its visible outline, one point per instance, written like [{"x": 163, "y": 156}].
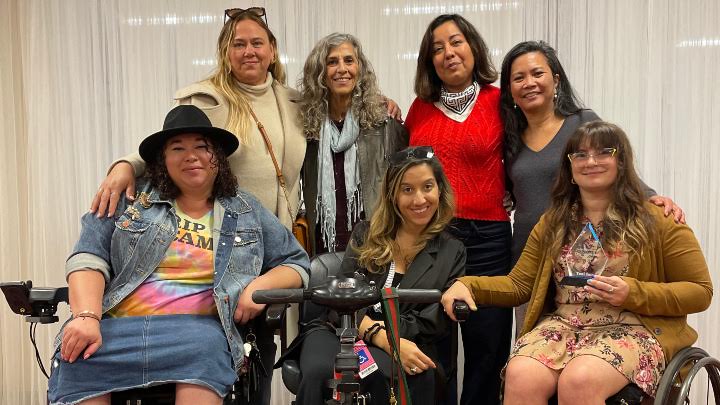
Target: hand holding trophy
[{"x": 585, "y": 259}]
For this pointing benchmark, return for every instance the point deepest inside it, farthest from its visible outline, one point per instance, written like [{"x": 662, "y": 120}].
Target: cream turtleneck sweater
[{"x": 252, "y": 163}]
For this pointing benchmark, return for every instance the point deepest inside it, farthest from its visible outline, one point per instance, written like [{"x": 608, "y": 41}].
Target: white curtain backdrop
[{"x": 83, "y": 81}]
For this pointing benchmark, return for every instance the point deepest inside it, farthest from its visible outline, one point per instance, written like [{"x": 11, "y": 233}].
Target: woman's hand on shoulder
[
  {"x": 669, "y": 207},
  {"x": 508, "y": 203},
  {"x": 81, "y": 335},
  {"x": 457, "y": 292},
  {"x": 393, "y": 109},
  {"x": 413, "y": 359},
  {"x": 613, "y": 290},
  {"x": 120, "y": 179}
]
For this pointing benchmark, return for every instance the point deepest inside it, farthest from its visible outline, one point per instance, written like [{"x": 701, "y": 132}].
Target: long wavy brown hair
[
  {"x": 225, "y": 184},
  {"x": 380, "y": 247},
  {"x": 239, "y": 120},
  {"x": 627, "y": 223}
]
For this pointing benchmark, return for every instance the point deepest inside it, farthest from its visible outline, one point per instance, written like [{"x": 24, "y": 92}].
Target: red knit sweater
[{"x": 470, "y": 152}]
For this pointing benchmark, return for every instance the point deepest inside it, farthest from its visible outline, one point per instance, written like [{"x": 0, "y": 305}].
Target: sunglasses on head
[
  {"x": 412, "y": 153},
  {"x": 236, "y": 12}
]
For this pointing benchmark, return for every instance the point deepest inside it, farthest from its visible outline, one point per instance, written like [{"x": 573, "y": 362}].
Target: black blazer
[{"x": 435, "y": 267}]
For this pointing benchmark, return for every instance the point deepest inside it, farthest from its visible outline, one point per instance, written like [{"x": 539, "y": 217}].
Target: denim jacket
[{"x": 247, "y": 241}]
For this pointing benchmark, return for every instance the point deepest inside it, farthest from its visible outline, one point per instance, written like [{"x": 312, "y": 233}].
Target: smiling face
[
  {"x": 190, "y": 163},
  {"x": 596, "y": 171},
  {"x": 250, "y": 53},
  {"x": 417, "y": 197},
  {"x": 452, "y": 57},
  {"x": 532, "y": 83},
  {"x": 341, "y": 70}
]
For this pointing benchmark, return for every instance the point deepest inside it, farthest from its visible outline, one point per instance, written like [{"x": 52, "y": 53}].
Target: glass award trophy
[{"x": 585, "y": 259}]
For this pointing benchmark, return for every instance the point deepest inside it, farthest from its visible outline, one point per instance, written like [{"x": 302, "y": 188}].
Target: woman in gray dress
[{"x": 540, "y": 111}]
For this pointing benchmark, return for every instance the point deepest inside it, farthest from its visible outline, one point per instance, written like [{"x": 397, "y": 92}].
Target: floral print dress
[{"x": 583, "y": 324}]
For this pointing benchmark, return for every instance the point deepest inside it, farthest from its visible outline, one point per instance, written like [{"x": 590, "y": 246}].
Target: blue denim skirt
[{"x": 146, "y": 351}]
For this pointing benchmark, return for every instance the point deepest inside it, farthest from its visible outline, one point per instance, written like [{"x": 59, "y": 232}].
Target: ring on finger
[
  {"x": 413, "y": 370},
  {"x": 611, "y": 290}
]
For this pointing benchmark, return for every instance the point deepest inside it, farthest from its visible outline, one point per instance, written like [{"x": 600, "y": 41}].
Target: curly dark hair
[{"x": 225, "y": 184}]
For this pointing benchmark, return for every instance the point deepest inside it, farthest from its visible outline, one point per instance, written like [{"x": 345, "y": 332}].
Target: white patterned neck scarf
[
  {"x": 334, "y": 141},
  {"x": 457, "y": 106}
]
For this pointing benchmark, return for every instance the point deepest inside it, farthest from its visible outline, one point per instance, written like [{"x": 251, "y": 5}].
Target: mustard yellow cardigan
[{"x": 669, "y": 281}]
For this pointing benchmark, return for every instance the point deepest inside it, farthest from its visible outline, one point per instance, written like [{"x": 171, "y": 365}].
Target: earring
[
  {"x": 514, "y": 106},
  {"x": 555, "y": 96}
]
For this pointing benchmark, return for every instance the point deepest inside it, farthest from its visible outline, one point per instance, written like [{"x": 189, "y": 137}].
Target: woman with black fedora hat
[{"x": 156, "y": 291}]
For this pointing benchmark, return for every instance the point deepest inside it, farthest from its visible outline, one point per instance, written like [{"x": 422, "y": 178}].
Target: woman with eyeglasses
[
  {"x": 349, "y": 135},
  {"x": 586, "y": 342},
  {"x": 456, "y": 112},
  {"x": 540, "y": 111},
  {"x": 403, "y": 245}
]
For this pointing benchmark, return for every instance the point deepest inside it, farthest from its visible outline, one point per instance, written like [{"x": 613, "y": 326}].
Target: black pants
[
  {"x": 487, "y": 332},
  {"x": 317, "y": 359}
]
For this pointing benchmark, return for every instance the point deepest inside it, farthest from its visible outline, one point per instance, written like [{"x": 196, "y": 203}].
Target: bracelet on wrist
[
  {"x": 369, "y": 331},
  {"x": 87, "y": 314},
  {"x": 375, "y": 332}
]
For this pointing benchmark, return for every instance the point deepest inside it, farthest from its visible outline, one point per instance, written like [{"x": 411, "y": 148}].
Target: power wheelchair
[{"x": 39, "y": 304}]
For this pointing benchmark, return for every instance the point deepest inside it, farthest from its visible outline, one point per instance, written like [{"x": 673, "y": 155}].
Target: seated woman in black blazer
[{"x": 404, "y": 245}]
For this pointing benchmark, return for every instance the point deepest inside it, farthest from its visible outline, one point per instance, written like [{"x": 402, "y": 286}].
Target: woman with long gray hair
[{"x": 349, "y": 138}]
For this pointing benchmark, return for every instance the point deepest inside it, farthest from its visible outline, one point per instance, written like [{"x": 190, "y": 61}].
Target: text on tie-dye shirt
[{"x": 183, "y": 281}]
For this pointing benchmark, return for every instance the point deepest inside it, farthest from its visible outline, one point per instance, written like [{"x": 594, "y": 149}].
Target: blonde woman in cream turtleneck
[{"x": 249, "y": 77}]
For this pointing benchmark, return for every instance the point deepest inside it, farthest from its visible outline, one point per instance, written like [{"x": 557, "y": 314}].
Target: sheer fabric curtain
[{"x": 83, "y": 81}]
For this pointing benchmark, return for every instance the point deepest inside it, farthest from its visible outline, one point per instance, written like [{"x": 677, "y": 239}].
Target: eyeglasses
[
  {"x": 601, "y": 157},
  {"x": 414, "y": 152},
  {"x": 235, "y": 12}
]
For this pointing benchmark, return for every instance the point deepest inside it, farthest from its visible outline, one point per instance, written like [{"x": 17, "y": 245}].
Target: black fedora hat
[{"x": 187, "y": 119}]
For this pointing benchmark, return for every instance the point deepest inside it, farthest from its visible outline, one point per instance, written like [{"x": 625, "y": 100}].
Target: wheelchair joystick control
[{"x": 36, "y": 304}]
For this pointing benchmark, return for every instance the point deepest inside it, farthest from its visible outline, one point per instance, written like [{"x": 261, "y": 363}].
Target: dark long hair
[
  {"x": 225, "y": 184},
  {"x": 567, "y": 103},
  {"x": 627, "y": 222},
  {"x": 427, "y": 81}
]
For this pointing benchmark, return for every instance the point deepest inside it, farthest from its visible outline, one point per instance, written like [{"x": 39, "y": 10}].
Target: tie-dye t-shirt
[{"x": 183, "y": 281}]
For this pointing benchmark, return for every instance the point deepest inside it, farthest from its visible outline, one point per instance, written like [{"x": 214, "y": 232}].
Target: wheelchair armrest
[{"x": 274, "y": 315}]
